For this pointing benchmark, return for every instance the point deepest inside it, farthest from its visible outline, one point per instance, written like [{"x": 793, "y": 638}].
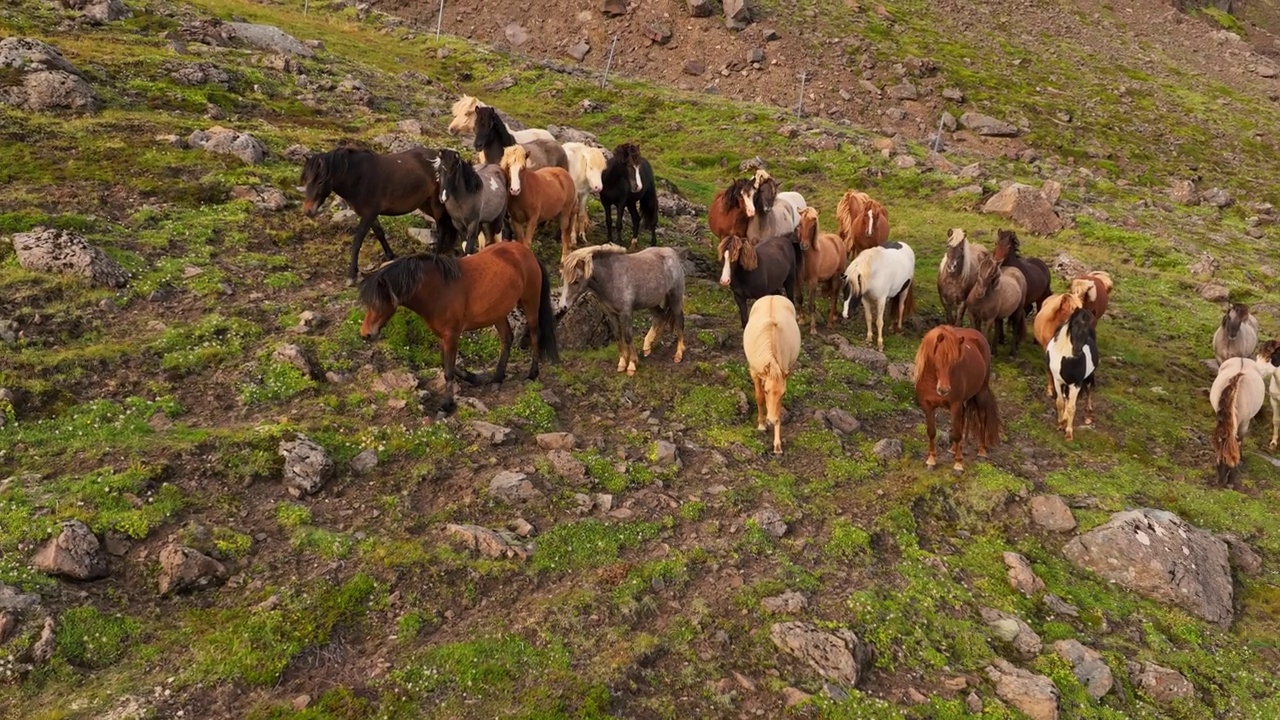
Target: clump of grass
[
  {"x": 279, "y": 381},
  {"x": 212, "y": 340},
  {"x": 848, "y": 542},
  {"x": 530, "y": 410},
  {"x": 88, "y": 638},
  {"x": 588, "y": 543}
]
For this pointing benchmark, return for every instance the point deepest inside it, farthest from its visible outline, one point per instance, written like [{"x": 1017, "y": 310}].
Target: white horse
[
  {"x": 795, "y": 198},
  {"x": 781, "y": 219},
  {"x": 877, "y": 275},
  {"x": 1236, "y": 396},
  {"x": 586, "y": 163},
  {"x": 464, "y": 120},
  {"x": 771, "y": 341},
  {"x": 1268, "y": 364}
]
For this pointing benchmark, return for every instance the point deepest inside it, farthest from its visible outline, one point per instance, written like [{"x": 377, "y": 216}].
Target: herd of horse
[{"x": 772, "y": 252}]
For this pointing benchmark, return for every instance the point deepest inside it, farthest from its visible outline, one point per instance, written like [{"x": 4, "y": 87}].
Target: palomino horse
[
  {"x": 728, "y": 214},
  {"x": 771, "y": 341},
  {"x": 1237, "y": 395},
  {"x": 1072, "y": 356},
  {"x": 453, "y": 296},
  {"x": 476, "y": 198},
  {"x": 493, "y": 138},
  {"x": 1054, "y": 312},
  {"x": 464, "y": 120},
  {"x": 754, "y": 270},
  {"x": 1099, "y": 296},
  {"x": 957, "y": 273},
  {"x": 1034, "y": 271},
  {"x": 953, "y": 370},
  {"x": 999, "y": 293},
  {"x": 1268, "y": 364},
  {"x": 864, "y": 223},
  {"x": 652, "y": 279},
  {"x": 537, "y": 195},
  {"x": 586, "y": 164},
  {"x": 1237, "y": 335},
  {"x": 627, "y": 182},
  {"x": 877, "y": 275},
  {"x": 822, "y": 257},
  {"x": 373, "y": 185}
]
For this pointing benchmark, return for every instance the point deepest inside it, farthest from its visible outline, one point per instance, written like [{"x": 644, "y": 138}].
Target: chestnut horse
[
  {"x": 822, "y": 260},
  {"x": 1098, "y": 296},
  {"x": 864, "y": 223},
  {"x": 453, "y": 296},
  {"x": 538, "y": 195},
  {"x": 728, "y": 213},
  {"x": 953, "y": 370}
]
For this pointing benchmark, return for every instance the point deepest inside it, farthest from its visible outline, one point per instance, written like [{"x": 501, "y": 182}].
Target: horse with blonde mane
[
  {"x": 957, "y": 273},
  {"x": 586, "y": 164},
  {"x": 464, "y": 120},
  {"x": 864, "y": 223},
  {"x": 953, "y": 370},
  {"x": 1236, "y": 396},
  {"x": 1098, "y": 296},
  {"x": 822, "y": 257},
  {"x": 539, "y": 195},
  {"x": 771, "y": 341}
]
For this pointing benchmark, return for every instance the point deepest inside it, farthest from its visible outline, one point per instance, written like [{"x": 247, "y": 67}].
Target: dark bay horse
[
  {"x": 627, "y": 181},
  {"x": 456, "y": 295},
  {"x": 1034, "y": 271},
  {"x": 492, "y": 138},
  {"x": 475, "y": 198},
  {"x": 754, "y": 270},
  {"x": 373, "y": 185},
  {"x": 953, "y": 370}
]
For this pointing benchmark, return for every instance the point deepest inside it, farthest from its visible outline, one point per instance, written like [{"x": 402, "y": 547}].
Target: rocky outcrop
[
  {"x": 183, "y": 568},
  {"x": 490, "y": 433},
  {"x": 74, "y": 553},
  {"x": 770, "y": 521},
  {"x": 1021, "y": 577},
  {"x": 1088, "y": 667},
  {"x": 513, "y": 487},
  {"x": 262, "y": 197},
  {"x": 99, "y": 12},
  {"x": 264, "y": 37},
  {"x": 1035, "y": 695},
  {"x": 1051, "y": 513},
  {"x": 225, "y": 141},
  {"x": 584, "y": 325},
  {"x": 1027, "y": 207},
  {"x": 60, "y": 251},
  {"x": 1013, "y": 630},
  {"x": 1162, "y": 684},
  {"x": 838, "y": 656},
  {"x": 307, "y": 467},
  {"x": 45, "y": 80},
  {"x": 987, "y": 125},
  {"x": 489, "y": 543}
]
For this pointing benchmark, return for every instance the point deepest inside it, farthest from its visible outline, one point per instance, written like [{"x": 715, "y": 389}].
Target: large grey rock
[
  {"x": 492, "y": 434},
  {"x": 1162, "y": 684},
  {"x": 61, "y": 251},
  {"x": 307, "y": 467},
  {"x": 48, "y": 81},
  {"x": 1088, "y": 666},
  {"x": 584, "y": 326},
  {"x": 770, "y": 521},
  {"x": 513, "y": 487},
  {"x": 1051, "y": 513},
  {"x": 737, "y": 14},
  {"x": 1013, "y": 630},
  {"x": 1156, "y": 554},
  {"x": 1035, "y": 695},
  {"x": 987, "y": 125},
  {"x": 265, "y": 37},
  {"x": 183, "y": 568},
  {"x": 839, "y": 656},
  {"x": 99, "y": 11},
  {"x": 225, "y": 141},
  {"x": 665, "y": 453},
  {"x": 31, "y": 55},
  {"x": 75, "y": 553},
  {"x": 1026, "y": 206}
]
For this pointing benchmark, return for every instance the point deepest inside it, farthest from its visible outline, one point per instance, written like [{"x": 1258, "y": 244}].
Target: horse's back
[
  {"x": 1251, "y": 392},
  {"x": 772, "y": 333},
  {"x": 796, "y": 199}
]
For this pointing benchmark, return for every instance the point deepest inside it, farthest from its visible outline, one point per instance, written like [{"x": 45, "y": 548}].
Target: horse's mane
[
  {"x": 767, "y": 344},
  {"x": 514, "y": 156},
  {"x": 463, "y": 180},
  {"x": 1084, "y": 289},
  {"x": 626, "y": 152},
  {"x": 766, "y": 193},
  {"x": 941, "y": 346},
  {"x": 762, "y": 176},
  {"x": 325, "y": 167},
  {"x": 1079, "y": 327},
  {"x": 1102, "y": 277},
  {"x": 733, "y": 193},
  {"x": 466, "y": 103},
  {"x": 743, "y": 249},
  {"x": 491, "y": 129},
  {"x": 399, "y": 279},
  {"x": 807, "y": 230},
  {"x": 583, "y": 258},
  {"x": 1007, "y": 245},
  {"x": 849, "y": 211},
  {"x": 1268, "y": 350}
]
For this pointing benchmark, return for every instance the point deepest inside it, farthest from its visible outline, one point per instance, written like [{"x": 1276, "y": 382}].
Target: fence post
[
  {"x": 609, "y": 63},
  {"x": 439, "y": 19},
  {"x": 804, "y": 75}
]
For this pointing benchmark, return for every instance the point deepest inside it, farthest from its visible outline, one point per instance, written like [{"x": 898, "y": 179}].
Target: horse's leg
[
  {"x": 880, "y": 303},
  {"x": 628, "y": 340},
  {"x": 387, "y": 253},
  {"x": 353, "y": 270},
  {"x": 567, "y": 231},
  {"x": 1088, "y": 404},
  {"x": 813, "y": 306},
  {"x": 1060, "y": 406},
  {"x": 449, "y": 352},
  {"x": 1275, "y": 419},
  {"x": 503, "y": 326},
  {"x": 761, "y": 402},
  {"x": 656, "y": 327},
  {"x": 473, "y": 233},
  {"x": 931, "y": 430},
  {"x": 608, "y": 222},
  {"x": 677, "y": 320},
  {"x": 615, "y": 326},
  {"x": 957, "y": 436},
  {"x": 634, "y": 209},
  {"x": 1048, "y": 385},
  {"x": 742, "y": 309},
  {"x": 775, "y": 416},
  {"x": 833, "y": 292},
  {"x": 1073, "y": 394},
  {"x": 1019, "y": 328},
  {"x": 871, "y": 323}
]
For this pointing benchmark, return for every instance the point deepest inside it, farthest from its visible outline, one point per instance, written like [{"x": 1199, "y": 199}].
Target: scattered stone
[
  {"x": 567, "y": 466},
  {"x": 61, "y": 251},
  {"x": 395, "y": 381},
  {"x": 902, "y": 372},
  {"x": 1026, "y": 206},
  {"x": 788, "y": 131},
  {"x": 887, "y": 449},
  {"x": 557, "y": 441},
  {"x": 838, "y": 656},
  {"x": 225, "y": 141},
  {"x": 792, "y": 697},
  {"x": 1184, "y": 192},
  {"x": 672, "y": 205},
  {"x": 296, "y": 153},
  {"x": 290, "y": 354},
  {"x": 841, "y": 421},
  {"x": 426, "y": 236},
  {"x": 737, "y": 14},
  {"x": 308, "y": 320},
  {"x": 1060, "y": 606},
  {"x": 666, "y": 454},
  {"x": 1242, "y": 556},
  {"x": 366, "y": 461},
  {"x": 603, "y": 501},
  {"x": 904, "y": 162},
  {"x": 1052, "y": 191},
  {"x": 905, "y": 91},
  {"x": 263, "y": 198},
  {"x": 307, "y": 467},
  {"x": 513, "y": 487},
  {"x": 1215, "y": 292},
  {"x": 489, "y": 543},
  {"x": 756, "y": 55},
  {"x": 182, "y": 568},
  {"x": 521, "y": 527},
  {"x": 1156, "y": 554},
  {"x": 1088, "y": 666},
  {"x": 915, "y": 697},
  {"x": 493, "y": 434},
  {"x": 516, "y": 34},
  {"x": 1217, "y": 197},
  {"x": 658, "y": 31},
  {"x": 1051, "y": 513},
  {"x": 264, "y": 37},
  {"x": 987, "y": 125},
  {"x": 1162, "y": 684},
  {"x": 1014, "y": 631},
  {"x": 1067, "y": 267},
  {"x": 585, "y": 325},
  {"x": 42, "y": 650},
  {"x": 45, "y": 80},
  {"x": 396, "y": 142},
  {"x": 587, "y": 107},
  {"x": 614, "y": 8},
  {"x": 949, "y": 122},
  {"x": 970, "y": 190},
  {"x": 770, "y": 35},
  {"x": 200, "y": 73},
  {"x": 75, "y": 553},
  {"x": 770, "y": 521},
  {"x": 578, "y": 51},
  {"x": 867, "y": 357},
  {"x": 974, "y": 703},
  {"x": 1035, "y": 695},
  {"x": 953, "y": 94},
  {"x": 1266, "y": 70},
  {"x": 701, "y": 8},
  {"x": 972, "y": 171},
  {"x": 99, "y": 12},
  {"x": 788, "y": 602}
]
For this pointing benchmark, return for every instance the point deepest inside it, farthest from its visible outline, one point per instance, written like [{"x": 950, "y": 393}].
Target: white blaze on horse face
[
  {"x": 514, "y": 171},
  {"x": 594, "y": 179},
  {"x": 871, "y": 222},
  {"x": 724, "y": 276},
  {"x": 749, "y": 202},
  {"x": 639, "y": 185}
]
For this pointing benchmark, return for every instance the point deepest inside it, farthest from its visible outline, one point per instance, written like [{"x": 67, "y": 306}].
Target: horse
[
  {"x": 766, "y": 187},
  {"x": 822, "y": 257},
  {"x": 455, "y": 295},
  {"x": 474, "y": 197},
  {"x": 754, "y": 270},
  {"x": 1268, "y": 362},
  {"x": 864, "y": 223},
  {"x": 957, "y": 273},
  {"x": 492, "y": 139},
  {"x": 627, "y": 182},
  {"x": 586, "y": 164},
  {"x": 1237, "y": 335},
  {"x": 1055, "y": 311},
  {"x": 953, "y": 370},
  {"x": 796, "y": 199},
  {"x": 1034, "y": 270},
  {"x": 778, "y": 218},
  {"x": 373, "y": 185},
  {"x": 771, "y": 341},
  {"x": 1072, "y": 357},
  {"x": 538, "y": 195},
  {"x": 1098, "y": 296},
  {"x": 728, "y": 213},
  {"x": 464, "y": 120},
  {"x": 651, "y": 279},
  {"x": 877, "y": 275},
  {"x": 999, "y": 293},
  {"x": 1237, "y": 395}
]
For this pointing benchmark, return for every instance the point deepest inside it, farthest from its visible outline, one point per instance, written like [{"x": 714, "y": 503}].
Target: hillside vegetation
[{"x": 154, "y": 413}]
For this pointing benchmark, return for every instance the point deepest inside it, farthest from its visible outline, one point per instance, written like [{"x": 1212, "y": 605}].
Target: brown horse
[
  {"x": 1097, "y": 297},
  {"x": 999, "y": 293},
  {"x": 864, "y": 223},
  {"x": 453, "y": 296},
  {"x": 727, "y": 215},
  {"x": 1034, "y": 271},
  {"x": 1055, "y": 311},
  {"x": 822, "y": 261},
  {"x": 953, "y": 369},
  {"x": 538, "y": 195}
]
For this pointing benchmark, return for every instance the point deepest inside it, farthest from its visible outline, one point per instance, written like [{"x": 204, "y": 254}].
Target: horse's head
[
  {"x": 446, "y": 164},
  {"x": 808, "y": 229},
  {"x": 594, "y": 162},
  {"x": 317, "y": 181},
  {"x": 1269, "y": 355},
  {"x": 514, "y": 160},
  {"x": 766, "y": 195},
  {"x": 956, "y": 251},
  {"x": 1006, "y": 246},
  {"x": 629, "y": 155},
  {"x": 380, "y": 302},
  {"x": 464, "y": 115},
  {"x": 941, "y": 354},
  {"x": 1236, "y": 315},
  {"x": 734, "y": 249},
  {"x": 743, "y": 194}
]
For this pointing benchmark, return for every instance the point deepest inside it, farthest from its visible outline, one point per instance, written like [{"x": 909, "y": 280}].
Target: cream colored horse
[
  {"x": 771, "y": 342},
  {"x": 464, "y": 120},
  {"x": 586, "y": 163}
]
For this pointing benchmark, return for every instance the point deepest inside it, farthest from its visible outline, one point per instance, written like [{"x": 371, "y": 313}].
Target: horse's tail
[
  {"x": 909, "y": 302},
  {"x": 1226, "y": 444},
  {"x": 983, "y": 415},
  {"x": 547, "y": 349}
]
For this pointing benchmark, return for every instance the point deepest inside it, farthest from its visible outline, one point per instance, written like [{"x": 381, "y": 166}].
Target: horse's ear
[{"x": 950, "y": 234}]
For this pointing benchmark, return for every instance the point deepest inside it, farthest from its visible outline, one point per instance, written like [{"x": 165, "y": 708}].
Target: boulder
[
  {"x": 1243, "y": 557},
  {"x": 1088, "y": 666},
  {"x": 1026, "y": 206},
  {"x": 492, "y": 434},
  {"x": 841, "y": 421},
  {"x": 701, "y": 8},
  {"x": 182, "y": 568},
  {"x": 290, "y": 354},
  {"x": 75, "y": 553},
  {"x": 1035, "y": 695},
  {"x": 490, "y": 543},
  {"x": 578, "y": 51},
  {"x": 365, "y": 462},
  {"x": 838, "y": 656},
  {"x": 770, "y": 521},
  {"x": 1013, "y": 630},
  {"x": 1156, "y": 554},
  {"x": 61, "y": 251},
  {"x": 556, "y": 441},
  {"x": 867, "y": 357},
  {"x": 584, "y": 326},
  {"x": 307, "y": 467},
  {"x": 516, "y": 34},
  {"x": 1162, "y": 684},
  {"x": 614, "y": 8},
  {"x": 225, "y": 141},
  {"x": 737, "y": 14},
  {"x": 1215, "y": 292},
  {"x": 953, "y": 94},
  {"x": 99, "y": 12},
  {"x": 48, "y": 81},
  {"x": 658, "y": 31},
  {"x": 666, "y": 454},
  {"x": 1051, "y": 513},
  {"x": 264, "y": 37},
  {"x": 788, "y": 602},
  {"x": 396, "y": 142},
  {"x": 1021, "y": 577},
  {"x": 565, "y": 134},
  {"x": 1217, "y": 197},
  {"x": 1060, "y": 606},
  {"x": 513, "y": 487},
  {"x": 905, "y": 91},
  {"x": 262, "y": 197},
  {"x": 987, "y": 125},
  {"x": 200, "y": 73},
  {"x": 887, "y": 449},
  {"x": 672, "y": 205}
]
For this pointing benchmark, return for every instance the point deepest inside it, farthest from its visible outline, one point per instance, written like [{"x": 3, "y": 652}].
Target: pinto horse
[
  {"x": 864, "y": 223},
  {"x": 627, "y": 182},
  {"x": 728, "y": 214},
  {"x": 1072, "y": 357},
  {"x": 456, "y": 295},
  {"x": 953, "y": 370},
  {"x": 464, "y": 120},
  {"x": 754, "y": 270},
  {"x": 1034, "y": 270},
  {"x": 373, "y": 185},
  {"x": 538, "y": 195}
]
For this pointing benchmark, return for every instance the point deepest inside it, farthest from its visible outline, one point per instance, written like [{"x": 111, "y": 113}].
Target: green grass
[
  {"x": 90, "y": 639},
  {"x": 588, "y": 543}
]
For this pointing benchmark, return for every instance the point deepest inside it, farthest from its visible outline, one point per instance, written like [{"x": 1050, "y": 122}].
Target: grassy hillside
[{"x": 158, "y": 416}]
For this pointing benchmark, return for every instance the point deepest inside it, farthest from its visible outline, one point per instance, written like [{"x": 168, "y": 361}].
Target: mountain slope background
[{"x": 155, "y": 414}]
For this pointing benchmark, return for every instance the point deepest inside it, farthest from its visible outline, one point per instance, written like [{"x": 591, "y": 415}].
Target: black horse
[
  {"x": 475, "y": 198},
  {"x": 493, "y": 137},
  {"x": 373, "y": 185},
  {"x": 627, "y": 181},
  {"x": 754, "y": 270}
]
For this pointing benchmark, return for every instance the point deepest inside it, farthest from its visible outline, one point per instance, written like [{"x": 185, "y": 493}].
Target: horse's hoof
[
  {"x": 777, "y": 452},
  {"x": 648, "y": 352},
  {"x": 1088, "y": 421},
  {"x": 982, "y": 455},
  {"x": 350, "y": 282},
  {"x": 680, "y": 357},
  {"x": 931, "y": 463},
  {"x": 760, "y": 427},
  {"x": 1070, "y": 436},
  {"x": 631, "y": 371},
  {"x": 957, "y": 469},
  {"x": 1272, "y": 445}
]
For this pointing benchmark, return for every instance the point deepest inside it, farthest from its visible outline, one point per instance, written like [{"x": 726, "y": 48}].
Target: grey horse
[{"x": 474, "y": 197}]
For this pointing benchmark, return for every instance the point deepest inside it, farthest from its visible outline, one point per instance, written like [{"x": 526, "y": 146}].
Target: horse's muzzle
[
  {"x": 515, "y": 191},
  {"x": 310, "y": 208},
  {"x": 370, "y": 336},
  {"x": 942, "y": 391}
]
